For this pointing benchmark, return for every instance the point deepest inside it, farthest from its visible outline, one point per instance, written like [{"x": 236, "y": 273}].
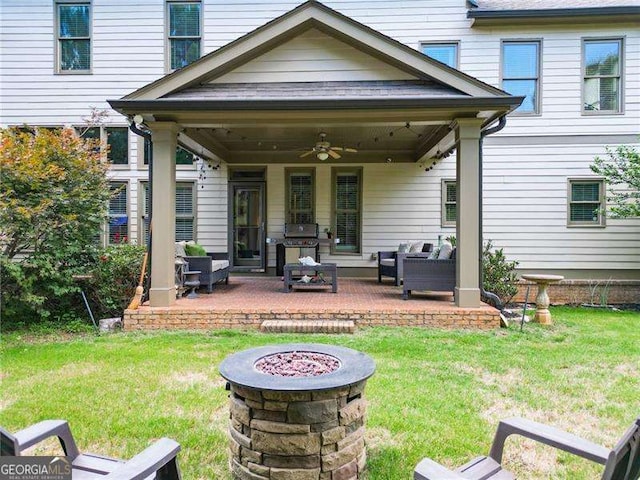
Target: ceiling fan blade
[
  {"x": 334, "y": 154},
  {"x": 306, "y": 154},
  {"x": 351, "y": 150},
  {"x": 337, "y": 149}
]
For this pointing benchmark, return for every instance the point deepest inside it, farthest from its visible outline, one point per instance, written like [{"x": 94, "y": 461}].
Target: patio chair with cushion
[
  {"x": 213, "y": 268},
  {"x": 159, "y": 461},
  {"x": 434, "y": 275},
  {"x": 620, "y": 463},
  {"x": 390, "y": 262}
]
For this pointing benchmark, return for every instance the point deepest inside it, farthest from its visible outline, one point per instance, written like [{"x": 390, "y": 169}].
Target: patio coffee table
[{"x": 330, "y": 268}]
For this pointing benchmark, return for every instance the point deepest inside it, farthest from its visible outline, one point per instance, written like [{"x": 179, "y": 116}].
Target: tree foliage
[
  {"x": 53, "y": 198},
  {"x": 621, "y": 171}
]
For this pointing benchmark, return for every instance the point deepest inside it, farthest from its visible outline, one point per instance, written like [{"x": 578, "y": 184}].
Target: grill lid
[{"x": 301, "y": 230}]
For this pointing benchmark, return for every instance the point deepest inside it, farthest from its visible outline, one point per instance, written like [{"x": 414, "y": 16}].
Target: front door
[{"x": 247, "y": 235}]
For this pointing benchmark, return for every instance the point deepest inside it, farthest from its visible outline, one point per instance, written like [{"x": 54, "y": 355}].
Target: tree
[
  {"x": 621, "y": 172},
  {"x": 54, "y": 194}
]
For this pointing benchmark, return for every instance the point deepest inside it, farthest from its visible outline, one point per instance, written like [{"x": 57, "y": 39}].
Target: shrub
[
  {"x": 53, "y": 197},
  {"x": 115, "y": 275},
  {"x": 499, "y": 274}
]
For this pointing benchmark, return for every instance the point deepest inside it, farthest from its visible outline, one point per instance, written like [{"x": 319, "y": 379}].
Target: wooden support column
[
  {"x": 163, "y": 286},
  {"x": 468, "y": 174}
]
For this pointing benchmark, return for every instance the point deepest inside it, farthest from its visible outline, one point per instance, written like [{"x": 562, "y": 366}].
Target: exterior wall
[{"x": 525, "y": 183}]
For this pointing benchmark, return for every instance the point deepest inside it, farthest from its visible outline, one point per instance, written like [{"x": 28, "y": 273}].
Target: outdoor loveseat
[
  {"x": 390, "y": 263},
  {"x": 213, "y": 268}
]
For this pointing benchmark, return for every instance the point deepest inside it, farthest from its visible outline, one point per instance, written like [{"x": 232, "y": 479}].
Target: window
[
  {"x": 118, "y": 230},
  {"x": 114, "y": 141},
  {"x": 586, "y": 202},
  {"x": 449, "y": 203},
  {"x": 185, "y": 211},
  {"x": 183, "y": 33},
  {"x": 446, "y": 53},
  {"x": 300, "y": 195},
  {"x": 347, "y": 209},
  {"x": 74, "y": 37},
  {"x": 521, "y": 73},
  {"x": 182, "y": 156},
  {"x": 602, "y": 69}
]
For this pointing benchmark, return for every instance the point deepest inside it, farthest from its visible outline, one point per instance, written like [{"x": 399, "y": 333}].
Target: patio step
[{"x": 308, "y": 326}]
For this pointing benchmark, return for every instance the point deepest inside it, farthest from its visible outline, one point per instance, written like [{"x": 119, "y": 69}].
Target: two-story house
[{"x": 346, "y": 116}]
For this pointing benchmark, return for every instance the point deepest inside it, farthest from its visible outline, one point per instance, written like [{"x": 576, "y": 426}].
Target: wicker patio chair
[
  {"x": 159, "y": 461},
  {"x": 424, "y": 274},
  {"x": 620, "y": 463},
  {"x": 390, "y": 263},
  {"x": 213, "y": 268}
]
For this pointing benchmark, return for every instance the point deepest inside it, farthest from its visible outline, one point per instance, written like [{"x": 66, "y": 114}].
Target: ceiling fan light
[{"x": 322, "y": 156}]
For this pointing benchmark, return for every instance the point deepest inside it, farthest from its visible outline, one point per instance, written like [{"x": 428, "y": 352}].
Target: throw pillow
[
  {"x": 416, "y": 247},
  {"x": 195, "y": 250},
  {"x": 403, "y": 248},
  {"x": 434, "y": 254},
  {"x": 445, "y": 251},
  {"x": 427, "y": 247},
  {"x": 180, "y": 251}
]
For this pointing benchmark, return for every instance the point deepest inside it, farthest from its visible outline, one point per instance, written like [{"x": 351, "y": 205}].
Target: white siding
[
  {"x": 525, "y": 184},
  {"x": 312, "y": 56}
]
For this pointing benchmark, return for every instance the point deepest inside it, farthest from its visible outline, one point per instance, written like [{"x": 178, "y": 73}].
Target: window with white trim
[
  {"x": 446, "y": 53},
  {"x": 300, "y": 195},
  {"x": 185, "y": 211},
  {"x": 183, "y": 32},
  {"x": 183, "y": 157},
  {"x": 73, "y": 33},
  {"x": 347, "y": 210},
  {"x": 118, "y": 225},
  {"x": 521, "y": 73},
  {"x": 449, "y": 203},
  {"x": 114, "y": 142},
  {"x": 602, "y": 69},
  {"x": 586, "y": 202}
]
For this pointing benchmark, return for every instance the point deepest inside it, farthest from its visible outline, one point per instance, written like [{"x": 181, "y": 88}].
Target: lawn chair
[
  {"x": 156, "y": 462},
  {"x": 621, "y": 463}
]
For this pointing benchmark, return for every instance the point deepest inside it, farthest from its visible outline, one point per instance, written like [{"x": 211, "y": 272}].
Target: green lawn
[{"x": 435, "y": 393}]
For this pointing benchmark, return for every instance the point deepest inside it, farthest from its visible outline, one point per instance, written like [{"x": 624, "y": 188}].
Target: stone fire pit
[{"x": 297, "y": 412}]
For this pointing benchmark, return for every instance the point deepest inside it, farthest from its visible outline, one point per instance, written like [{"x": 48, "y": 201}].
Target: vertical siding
[{"x": 525, "y": 184}]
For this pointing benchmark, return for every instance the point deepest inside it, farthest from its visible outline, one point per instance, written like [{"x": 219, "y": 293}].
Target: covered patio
[
  {"x": 259, "y": 99},
  {"x": 250, "y": 301}
]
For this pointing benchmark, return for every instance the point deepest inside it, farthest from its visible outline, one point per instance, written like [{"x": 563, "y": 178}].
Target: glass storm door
[{"x": 247, "y": 220}]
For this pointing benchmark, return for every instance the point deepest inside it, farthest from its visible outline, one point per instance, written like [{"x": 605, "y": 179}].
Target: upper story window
[
  {"x": 74, "y": 37},
  {"x": 521, "y": 73},
  {"x": 183, "y": 157},
  {"x": 184, "y": 32},
  {"x": 602, "y": 69},
  {"x": 114, "y": 142},
  {"x": 446, "y": 53},
  {"x": 300, "y": 195},
  {"x": 586, "y": 202},
  {"x": 449, "y": 203}
]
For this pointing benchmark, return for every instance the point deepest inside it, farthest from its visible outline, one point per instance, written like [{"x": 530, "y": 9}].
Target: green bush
[
  {"x": 499, "y": 274},
  {"x": 115, "y": 274}
]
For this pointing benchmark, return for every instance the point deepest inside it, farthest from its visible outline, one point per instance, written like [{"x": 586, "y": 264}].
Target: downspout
[
  {"x": 147, "y": 136},
  {"x": 487, "y": 297}
]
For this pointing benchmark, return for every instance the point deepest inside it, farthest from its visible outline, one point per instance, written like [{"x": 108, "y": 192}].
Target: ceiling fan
[{"x": 324, "y": 150}]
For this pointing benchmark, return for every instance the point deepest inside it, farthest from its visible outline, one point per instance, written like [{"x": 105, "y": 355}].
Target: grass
[{"x": 435, "y": 393}]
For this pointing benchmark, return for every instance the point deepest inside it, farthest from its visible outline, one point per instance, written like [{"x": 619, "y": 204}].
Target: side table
[{"x": 330, "y": 268}]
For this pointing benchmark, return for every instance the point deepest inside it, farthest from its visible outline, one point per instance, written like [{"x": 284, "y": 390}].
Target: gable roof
[{"x": 313, "y": 14}]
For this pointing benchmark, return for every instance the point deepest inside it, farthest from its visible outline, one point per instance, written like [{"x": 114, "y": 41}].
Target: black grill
[{"x": 304, "y": 237}]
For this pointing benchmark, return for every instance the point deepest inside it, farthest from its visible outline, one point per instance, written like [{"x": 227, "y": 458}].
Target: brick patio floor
[{"x": 248, "y": 301}]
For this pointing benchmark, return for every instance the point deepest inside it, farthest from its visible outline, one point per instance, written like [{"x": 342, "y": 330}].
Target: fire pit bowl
[{"x": 297, "y": 411}]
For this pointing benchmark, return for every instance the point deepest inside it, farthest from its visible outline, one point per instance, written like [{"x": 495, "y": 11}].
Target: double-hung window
[
  {"x": 184, "y": 32},
  {"x": 586, "y": 202},
  {"x": 347, "y": 210},
  {"x": 183, "y": 157},
  {"x": 118, "y": 228},
  {"x": 602, "y": 70},
  {"x": 449, "y": 203},
  {"x": 73, "y": 32},
  {"x": 445, "y": 52},
  {"x": 185, "y": 211},
  {"x": 521, "y": 73},
  {"x": 113, "y": 141},
  {"x": 300, "y": 195}
]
